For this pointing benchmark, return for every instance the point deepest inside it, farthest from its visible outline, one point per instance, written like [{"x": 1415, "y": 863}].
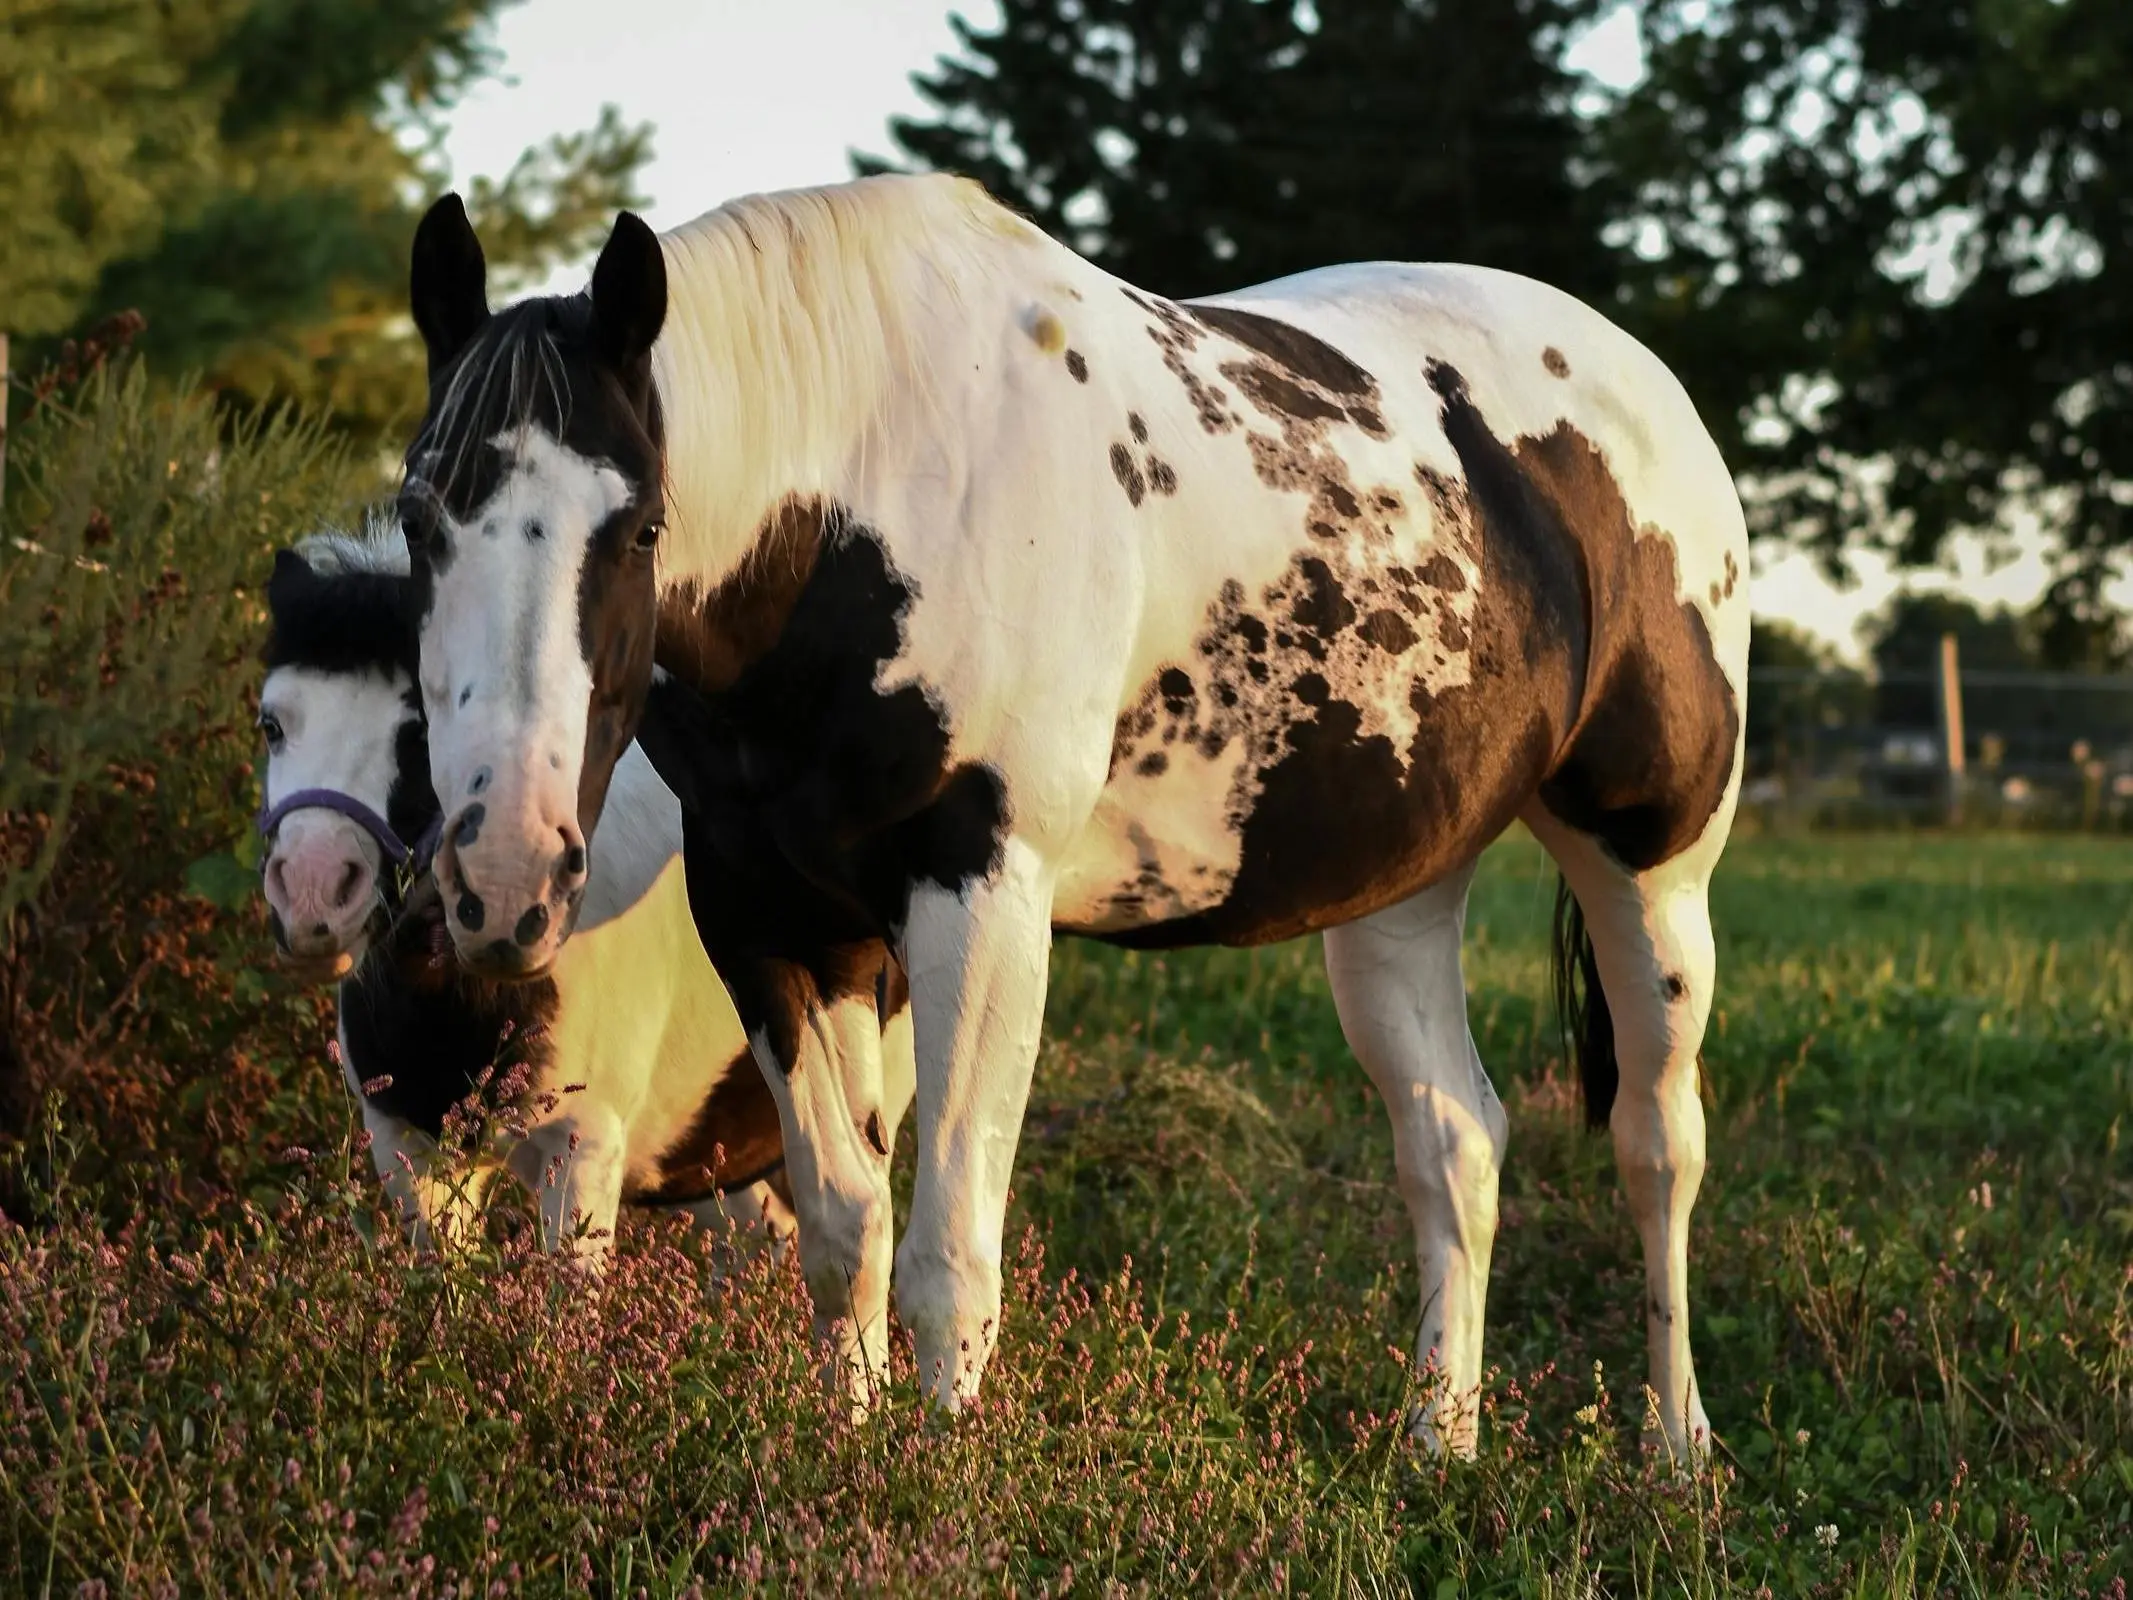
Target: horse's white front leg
[
  {"x": 574, "y": 1166},
  {"x": 978, "y": 962},
  {"x": 817, "y": 1037}
]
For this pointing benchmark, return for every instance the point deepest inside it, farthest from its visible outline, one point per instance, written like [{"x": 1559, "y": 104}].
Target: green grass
[{"x": 1910, "y": 1275}]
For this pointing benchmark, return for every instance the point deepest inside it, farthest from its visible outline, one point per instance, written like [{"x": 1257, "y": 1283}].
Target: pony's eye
[
  {"x": 648, "y": 534},
  {"x": 270, "y": 728}
]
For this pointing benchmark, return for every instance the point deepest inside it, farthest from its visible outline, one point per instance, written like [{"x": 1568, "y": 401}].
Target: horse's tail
[{"x": 1581, "y": 1009}]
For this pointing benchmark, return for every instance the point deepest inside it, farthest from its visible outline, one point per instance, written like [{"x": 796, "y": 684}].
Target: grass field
[{"x": 1911, "y": 1278}]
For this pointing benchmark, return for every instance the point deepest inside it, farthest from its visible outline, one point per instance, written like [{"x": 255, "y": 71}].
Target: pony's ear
[
  {"x": 629, "y": 292},
  {"x": 447, "y": 281},
  {"x": 292, "y": 573}
]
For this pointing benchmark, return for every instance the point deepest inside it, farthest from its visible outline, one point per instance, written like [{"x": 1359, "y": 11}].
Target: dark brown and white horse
[
  {"x": 638, "y": 1081},
  {"x": 1012, "y": 599}
]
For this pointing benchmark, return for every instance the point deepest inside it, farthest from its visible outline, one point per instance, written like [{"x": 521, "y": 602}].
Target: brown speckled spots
[
  {"x": 1553, "y": 360},
  {"x": 1078, "y": 365},
  {"x": 1137, "y": 425},
  {"x": 1128, "y": 473},
  {"x": 1389, "y": 631}
]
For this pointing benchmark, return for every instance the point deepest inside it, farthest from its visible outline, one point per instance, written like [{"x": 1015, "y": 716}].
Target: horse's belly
[{"x": 1161, "y": 846}]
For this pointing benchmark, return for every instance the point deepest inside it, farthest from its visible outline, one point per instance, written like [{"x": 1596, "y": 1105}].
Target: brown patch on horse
[
  {"x": 1553, "y": 360},
  {"x": 733, "y": 1141},
  {"x": 1647, "y": 765},
  {"x": 709, "y": 640}
]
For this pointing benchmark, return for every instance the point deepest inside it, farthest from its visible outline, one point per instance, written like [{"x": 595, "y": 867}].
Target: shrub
[{"x": 137, "y": 521}]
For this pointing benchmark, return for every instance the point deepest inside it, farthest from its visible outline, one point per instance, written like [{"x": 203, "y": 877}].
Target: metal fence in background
[{"x": 1968, "y": 748}]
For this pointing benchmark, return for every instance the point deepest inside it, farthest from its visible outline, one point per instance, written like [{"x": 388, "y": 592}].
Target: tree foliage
[
  {"x": 246, "y": 173},
  {"x": 1885, "y": 242},
  {"x": 1889, "y": 245},
  {"x": 1204, "y": 144}
]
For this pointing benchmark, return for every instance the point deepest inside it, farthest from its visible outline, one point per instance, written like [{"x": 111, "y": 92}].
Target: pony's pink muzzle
[
  {"x": 511, "y": 890},
  {"x": 321, "y": 884}
]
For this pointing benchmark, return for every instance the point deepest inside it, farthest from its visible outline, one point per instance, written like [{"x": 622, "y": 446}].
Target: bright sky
[{"x": 751, "y": 95}]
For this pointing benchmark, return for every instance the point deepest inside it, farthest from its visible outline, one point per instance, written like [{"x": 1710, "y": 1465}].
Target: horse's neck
[{"x": 754, "y": 421}]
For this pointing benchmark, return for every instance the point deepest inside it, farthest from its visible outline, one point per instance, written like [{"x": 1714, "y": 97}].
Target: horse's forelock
[{"x": 513, "y": 375}]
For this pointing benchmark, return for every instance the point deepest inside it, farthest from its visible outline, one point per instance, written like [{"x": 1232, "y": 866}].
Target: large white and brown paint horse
[
  {"x": 1011, "y": 599},
  {"x": 638, "y": 1082}
]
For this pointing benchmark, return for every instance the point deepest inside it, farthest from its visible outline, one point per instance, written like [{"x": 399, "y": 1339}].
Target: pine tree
[
  {"x": 247, "y": 173},
  {"x": 1197, "y": 145}
]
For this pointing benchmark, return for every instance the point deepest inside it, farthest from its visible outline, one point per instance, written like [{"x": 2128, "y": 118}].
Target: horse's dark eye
[
  {"x": 648, "y": 534},
  {"x": 270, "y": 729}
]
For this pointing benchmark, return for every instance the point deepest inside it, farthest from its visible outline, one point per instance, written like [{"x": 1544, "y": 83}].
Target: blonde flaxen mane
[{"x": 803, "y": 316}]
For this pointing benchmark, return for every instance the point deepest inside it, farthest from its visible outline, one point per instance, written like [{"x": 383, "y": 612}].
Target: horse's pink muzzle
[{"x": 511, "y": 888}]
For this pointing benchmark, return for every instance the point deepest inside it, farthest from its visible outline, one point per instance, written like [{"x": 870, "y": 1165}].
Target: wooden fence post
[{"x": 1951, "y": 724}]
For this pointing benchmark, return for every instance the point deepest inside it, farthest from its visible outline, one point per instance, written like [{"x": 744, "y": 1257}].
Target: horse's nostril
[
  {"x": 531, "y": 926},
  {"x": 570, "y": 866},
  {"x": 277, "y": 881},
  {"x": 471, "y": 911},
  {"x": 344, "y": 891}
]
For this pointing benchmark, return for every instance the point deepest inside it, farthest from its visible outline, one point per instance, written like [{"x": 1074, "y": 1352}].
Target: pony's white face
[
  {"x": 532, "y": 509},
  {"x": 323, "y": 874}
]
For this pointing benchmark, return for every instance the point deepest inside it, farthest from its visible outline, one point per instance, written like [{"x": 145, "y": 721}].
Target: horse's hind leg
[
  {"x": 1402, "y": 1000},
  {"x": 1651, "y": 939}
]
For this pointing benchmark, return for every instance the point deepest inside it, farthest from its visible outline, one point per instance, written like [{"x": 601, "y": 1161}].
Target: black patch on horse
[
  {"x": 1304, "y": 354},
  {"x": 412, "y": 1016},
  {"x": 813, "y": 802},
  {"x": 1646, "y": 765},
  {"x": 853, "y": 783}
]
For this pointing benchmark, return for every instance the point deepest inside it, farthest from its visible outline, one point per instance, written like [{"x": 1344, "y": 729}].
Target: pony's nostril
[
  {"x": 344, "y": 891},
  {"x": 277, "y": 882}
]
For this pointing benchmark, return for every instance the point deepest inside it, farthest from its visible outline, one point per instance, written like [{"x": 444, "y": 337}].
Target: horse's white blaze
[
  {"x": 505, "y": 682},
  {"x": 338, "y": 732}
]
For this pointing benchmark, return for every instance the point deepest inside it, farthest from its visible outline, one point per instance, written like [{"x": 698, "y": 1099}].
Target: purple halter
[{"x": 416, "y": 856}]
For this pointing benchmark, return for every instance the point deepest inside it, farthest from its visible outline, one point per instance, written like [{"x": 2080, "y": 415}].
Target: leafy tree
[
  {"x": 1198, "y": 145},
  {"x": 247, "y": 173},
  {"x": 1905, "y": 642},
  {"x": 1889, "y": 245}
]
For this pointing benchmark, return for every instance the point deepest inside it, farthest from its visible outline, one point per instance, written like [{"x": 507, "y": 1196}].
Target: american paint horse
[
  {"x": 639, "y": 1086},
  {"x": 1012, "y": 599}
]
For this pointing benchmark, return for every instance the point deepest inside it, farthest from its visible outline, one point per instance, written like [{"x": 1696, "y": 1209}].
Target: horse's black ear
[
  {"x": 447, "y": 281},
  {"x": 629, "y": 291}
]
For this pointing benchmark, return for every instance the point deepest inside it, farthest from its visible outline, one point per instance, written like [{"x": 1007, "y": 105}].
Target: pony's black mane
[{"x": 342, "y": 621}]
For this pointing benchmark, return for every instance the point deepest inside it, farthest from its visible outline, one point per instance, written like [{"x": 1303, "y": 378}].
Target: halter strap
[{"x": 416, "y": 856}]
